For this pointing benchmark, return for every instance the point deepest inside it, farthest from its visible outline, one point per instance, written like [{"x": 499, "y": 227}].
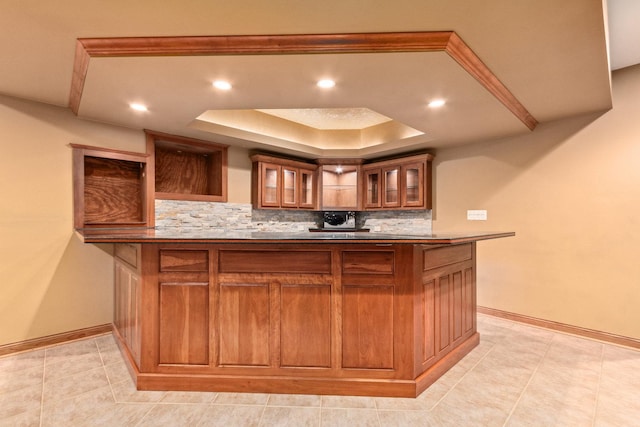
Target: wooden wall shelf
[
  {"x": 109, "y": 188},
  {"x": 186, "y": 168}
]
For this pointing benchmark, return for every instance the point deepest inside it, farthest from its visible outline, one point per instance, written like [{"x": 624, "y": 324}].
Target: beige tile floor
[{"x": 517, "y": 376}]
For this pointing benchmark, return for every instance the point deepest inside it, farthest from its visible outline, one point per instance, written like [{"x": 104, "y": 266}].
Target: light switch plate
[{"x": 477, "y": 215}]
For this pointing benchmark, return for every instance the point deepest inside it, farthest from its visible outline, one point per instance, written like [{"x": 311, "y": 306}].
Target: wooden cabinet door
[
  {"x": 305, "y": 325},
  {"x": 372, "y": 186},
  {"x": 243, "y": 324},
  {"x": 270, "y": 182},
  {"x": 391, "y": 187},
  {"x": 307, "y": 188},
  {"x": 290, "y": 190},
  {"x": 413, "y": 185},
  {"x": 367, "y": 327}
]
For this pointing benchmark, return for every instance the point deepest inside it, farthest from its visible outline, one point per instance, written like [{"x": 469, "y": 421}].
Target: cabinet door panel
[
  {"x": 127, "y": 307},
  {"x": 243, "y": 324},
  {"x": 391, "y": 187},
  {"x": 270, "y": 194},
  {"x": 367, "y": 327},
  {"x": 305, "y": 326},
  {"x": 372, "y": 182},
  {"x": 307, "y": 189},
  {"x": 448, "y": 309},
  {"x": 443, "y": 312},
  {"x": 184, "y": 323},
  {"x": 413, "y": 185},
  {"x": 289, "y": 188}
]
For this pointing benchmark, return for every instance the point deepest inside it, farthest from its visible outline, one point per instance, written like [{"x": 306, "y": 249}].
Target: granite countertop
[{"x": 166, "y": 235}]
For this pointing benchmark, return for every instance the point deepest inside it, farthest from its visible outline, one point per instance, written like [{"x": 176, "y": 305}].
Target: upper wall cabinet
[
  {"x": 403, "y": 183},
  {"x": 110, "y": 188},
  {"x": 340, "y": 183},
  {"x": 282, "y": 183},
  {"x": 186, "y": 168}
]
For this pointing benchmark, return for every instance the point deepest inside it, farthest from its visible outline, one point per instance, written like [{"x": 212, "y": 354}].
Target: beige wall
[
  {"x": 571, "y": 192},
  {"x": 51, "y": 281}
]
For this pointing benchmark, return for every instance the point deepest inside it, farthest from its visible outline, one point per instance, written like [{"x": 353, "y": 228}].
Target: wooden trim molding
[
  {"x": 425, "y": 41},
  {"x": 50, "y": 340},
  {"x": 563, "y": 327}
]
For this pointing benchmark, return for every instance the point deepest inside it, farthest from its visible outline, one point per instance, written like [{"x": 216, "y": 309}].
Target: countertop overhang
[{"x": 207, "y": 236}]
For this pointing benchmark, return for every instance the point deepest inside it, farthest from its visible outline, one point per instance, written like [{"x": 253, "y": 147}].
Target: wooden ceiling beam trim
[
  {"x": 468, "y": 60},
  {"x": 268, "y": 44},
  {"x": 425, "y": 41}
]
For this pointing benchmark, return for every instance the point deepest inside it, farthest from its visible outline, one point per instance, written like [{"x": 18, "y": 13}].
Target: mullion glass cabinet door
[
  {"x": 372, "y": 188},
  {"x": 270, "y": 185},
  {"x": 289, "y": 187},
  {"x": 413, "y": 185},
  {"x": 391, "y": 187},
  {"x": 306, "y": 186}
]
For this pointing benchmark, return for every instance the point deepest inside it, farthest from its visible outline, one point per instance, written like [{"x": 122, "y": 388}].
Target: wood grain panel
[
  {"x": 458, "y": 303},
  {"x": 183, "y": 260},
  {"x": 243, "y": 324},
  {"x": 127, "y": 310},
  {"x": 428, "y": 329},
  {"x": 305, "y": 330},
  {"x": 285, "y": 261},
  {"x": 184, "y": 323},
  {"x": 469, "y": 300},
  {"x": 368, "y": 262},
  {"x": 434, "y": 258},
  {"x": 112, "y": 191},
  {"x": 367, "y": 327},
  {"x": 443, "y": 312},
  {"x": 171, "y": 166}
]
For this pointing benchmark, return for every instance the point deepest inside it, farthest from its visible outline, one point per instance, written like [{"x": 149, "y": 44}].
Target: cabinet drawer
[
  {"x": 367, "y": 262},
  {"x": 433, "y": 258},
  {"x": 184, "y": 260},
  {"x": 247, "y": 261}
]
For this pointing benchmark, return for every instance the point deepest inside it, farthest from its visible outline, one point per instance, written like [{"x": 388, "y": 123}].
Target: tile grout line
[
  {"x": 113, "y": 394},
  {"x": 462, "y": 377},
  {"x": 533, "y": 374},
  {"x": 44, "y": 368},
  {"x": 264, "y": 409},
  {"x": 595, "y": 404}
]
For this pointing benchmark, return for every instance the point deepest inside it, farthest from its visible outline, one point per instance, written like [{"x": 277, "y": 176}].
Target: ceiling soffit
[{"x": 440, "y": 41}]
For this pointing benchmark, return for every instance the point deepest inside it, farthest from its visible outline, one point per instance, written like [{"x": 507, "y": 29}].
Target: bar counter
[
  {"x": 313, "y": 313},
  {"x": 168, "y": 235}
]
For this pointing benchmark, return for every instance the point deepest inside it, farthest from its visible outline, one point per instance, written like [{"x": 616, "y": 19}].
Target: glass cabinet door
[
  {"x": 413, "y": 183},
  {"x": 306, "y": 189},
  {"x": 372, "y": 188},
  {"x": 289, "y": 187},
  {"x": 391, "y": 187},
  {"x": 270, "y": 185}
]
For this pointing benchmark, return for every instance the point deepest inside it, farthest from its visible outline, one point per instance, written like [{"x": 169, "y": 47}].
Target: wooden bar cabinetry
[
  {"x": 403, "y": 183},
  {"x": 283, "y": 183},
  {"x": 320, "y": 318}
]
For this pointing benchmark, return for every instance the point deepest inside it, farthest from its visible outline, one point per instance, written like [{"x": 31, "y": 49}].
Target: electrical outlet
[{"x": 477, "y": 215}]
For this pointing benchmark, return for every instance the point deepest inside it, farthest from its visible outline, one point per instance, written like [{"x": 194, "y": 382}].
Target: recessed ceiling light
[
  {"x": 326, "y": 83},
  {"x": 138, "y": 107},
  {"x": 437, "y": 103},
  {"x": 222, "y": 85}
]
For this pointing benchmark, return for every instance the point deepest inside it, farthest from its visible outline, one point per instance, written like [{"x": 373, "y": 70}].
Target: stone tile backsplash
[{"x": 222, "y": 217}]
